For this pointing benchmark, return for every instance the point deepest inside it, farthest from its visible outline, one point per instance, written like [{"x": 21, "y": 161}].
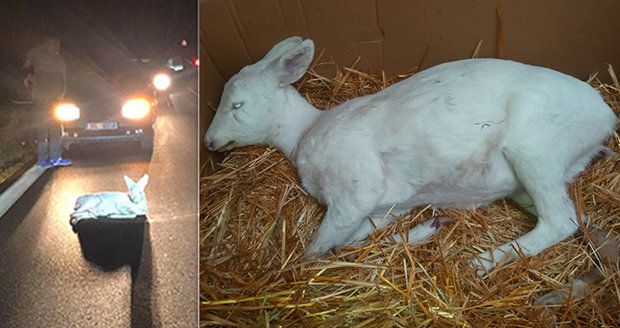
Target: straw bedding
[{"x": 256, "y": 221}]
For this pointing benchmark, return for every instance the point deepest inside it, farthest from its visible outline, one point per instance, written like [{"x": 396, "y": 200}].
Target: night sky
[{"x": 104, "y": 34}]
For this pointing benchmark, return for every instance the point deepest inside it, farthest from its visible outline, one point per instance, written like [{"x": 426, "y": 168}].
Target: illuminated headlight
[
  {"x": 66, "y": 112},
  {"x": 136, "y": 108},
  {"x": 161, "y": 81}
]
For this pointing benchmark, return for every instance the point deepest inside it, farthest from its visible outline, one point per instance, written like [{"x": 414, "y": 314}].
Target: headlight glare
[
  {"x": 161, "y": 81},
  {"x": 66, "y": 112},
  {"x": 136, "y": 108}
]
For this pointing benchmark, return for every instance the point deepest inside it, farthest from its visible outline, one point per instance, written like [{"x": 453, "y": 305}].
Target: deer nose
[{"x": 209, "y": 144}]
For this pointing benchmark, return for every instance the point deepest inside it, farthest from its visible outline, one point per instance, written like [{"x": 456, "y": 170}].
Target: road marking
[
  {"x": 192, "y": 91},
  {"x": 19, "y": 187}
]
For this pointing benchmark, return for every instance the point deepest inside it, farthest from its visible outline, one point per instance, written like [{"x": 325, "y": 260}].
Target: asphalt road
[{"x": 122, "y": 275}]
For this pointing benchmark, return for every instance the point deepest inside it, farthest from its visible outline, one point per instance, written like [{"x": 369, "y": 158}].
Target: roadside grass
[{"x": 17, "y": 132}]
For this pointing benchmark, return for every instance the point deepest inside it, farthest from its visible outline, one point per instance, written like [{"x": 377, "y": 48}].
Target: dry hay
[{"x": 256, "y": 221}]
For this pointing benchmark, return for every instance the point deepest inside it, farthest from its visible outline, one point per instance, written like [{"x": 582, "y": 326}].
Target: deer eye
[{"x": 237, "y": 105}]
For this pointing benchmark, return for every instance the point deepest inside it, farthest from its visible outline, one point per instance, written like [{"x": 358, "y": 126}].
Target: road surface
[{"x": 51, "y": 278}]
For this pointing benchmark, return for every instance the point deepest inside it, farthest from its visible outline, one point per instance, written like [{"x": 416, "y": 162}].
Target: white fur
[
  {"x": 113, "y": 205},
  {"x": 458, "y": 135},
  {"x": 575, "y": 290},
  {"x": 424, "y": 231}
]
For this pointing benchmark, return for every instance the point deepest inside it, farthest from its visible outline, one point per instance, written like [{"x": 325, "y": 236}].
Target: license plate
[{"x": 102, "y": 126}]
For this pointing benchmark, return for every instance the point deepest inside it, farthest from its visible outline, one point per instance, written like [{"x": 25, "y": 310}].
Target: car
[
  {"x": 176, "y": 64},
  {"x": 178, "y": 74},
  {"x": 182, "y": 69},
  {"x": 108, "y": 118}
]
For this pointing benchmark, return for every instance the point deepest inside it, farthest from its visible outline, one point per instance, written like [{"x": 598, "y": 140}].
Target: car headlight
[
  {"x": 161, "y": 81},
  {"x": 136, "y": 108},
  {"x": 66, "y": 112}
]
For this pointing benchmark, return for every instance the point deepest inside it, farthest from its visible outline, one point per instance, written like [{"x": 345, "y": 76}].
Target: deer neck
[{"x": 297, "y": 117}]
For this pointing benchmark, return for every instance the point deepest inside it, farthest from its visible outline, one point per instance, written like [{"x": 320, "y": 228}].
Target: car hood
[
  {"x": 104, "y": 100},
  {"x": 98, "y": 109}
]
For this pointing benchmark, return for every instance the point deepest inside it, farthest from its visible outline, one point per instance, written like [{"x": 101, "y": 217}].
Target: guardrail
[{"x": 16, "y": 186}]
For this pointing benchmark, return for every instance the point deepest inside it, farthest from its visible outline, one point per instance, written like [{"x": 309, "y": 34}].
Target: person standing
[{"x": 49, "y": 84}]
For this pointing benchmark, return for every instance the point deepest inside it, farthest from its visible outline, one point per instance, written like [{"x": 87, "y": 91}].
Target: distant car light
[
  {"x": 66, "y": 112},
  {"x": 196, "y": 62},
  {"x": 137, "y": 108},
  {"x": 161, "y": 81}
]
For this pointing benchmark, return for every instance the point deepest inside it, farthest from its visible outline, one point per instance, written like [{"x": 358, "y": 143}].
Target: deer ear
[
  {"x": 280, "y": 49},
  {"x": 294, "y": 63},
  {"x": 130, "y": 183},
  {"x": 143, "y": 181}
]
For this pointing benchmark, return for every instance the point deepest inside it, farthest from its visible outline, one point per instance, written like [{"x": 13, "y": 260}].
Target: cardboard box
[{"x": 571, "y": 36}]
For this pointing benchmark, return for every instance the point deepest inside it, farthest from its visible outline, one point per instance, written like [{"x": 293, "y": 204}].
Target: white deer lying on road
[{"x": 457, "y": 135}]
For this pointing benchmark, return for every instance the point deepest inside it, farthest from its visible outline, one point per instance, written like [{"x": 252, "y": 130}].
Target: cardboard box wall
[{"x": 572, "y": 36}]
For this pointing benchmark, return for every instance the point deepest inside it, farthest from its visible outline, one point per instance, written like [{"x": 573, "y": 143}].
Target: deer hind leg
[
  {"x": 544, "y": 183},
  {"x": 524, "y": 201},
  {"x": 80, "y": 215}
]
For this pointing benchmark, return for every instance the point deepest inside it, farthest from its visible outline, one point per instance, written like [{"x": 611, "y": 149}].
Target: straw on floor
[{"x": 256, "y": 221}]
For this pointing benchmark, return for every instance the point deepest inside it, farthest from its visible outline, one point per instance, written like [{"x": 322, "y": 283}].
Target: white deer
[
  {"x": 458, "y": 135},
  {"x": 112, "y": 205}
]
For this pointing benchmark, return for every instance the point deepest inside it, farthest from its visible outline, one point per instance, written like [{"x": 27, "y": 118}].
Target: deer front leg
[
  {"x": 378, "y": 220},
  {"x": 420, "y": 234},
  {"x": 350, "y": 199},
  {"x": 424, "y": 231},
  {"x": 344, "y": 217}
]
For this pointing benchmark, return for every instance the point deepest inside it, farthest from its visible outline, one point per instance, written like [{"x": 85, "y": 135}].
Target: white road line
[{"x": 19, "y": 187}]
